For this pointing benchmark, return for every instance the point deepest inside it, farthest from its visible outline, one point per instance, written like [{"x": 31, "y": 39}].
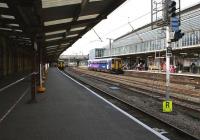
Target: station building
[
  {"x": 96, "y": 53},
  {"x": 147, "y": 47}
]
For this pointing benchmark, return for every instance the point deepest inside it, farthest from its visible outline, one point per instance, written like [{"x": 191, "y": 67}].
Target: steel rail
[
  {"x": 142, "y": 90},
  {"x": 134, "y": 107}
]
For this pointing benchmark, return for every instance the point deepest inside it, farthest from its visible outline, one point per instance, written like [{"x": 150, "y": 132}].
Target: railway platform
[{"x": 68, "y": 110}]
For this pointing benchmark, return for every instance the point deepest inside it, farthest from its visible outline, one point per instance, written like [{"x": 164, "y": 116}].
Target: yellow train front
[
  {"x": 61, "y": 64},
  {"x": 112, "y": 65},
  {"x": 116, "y": 65}
]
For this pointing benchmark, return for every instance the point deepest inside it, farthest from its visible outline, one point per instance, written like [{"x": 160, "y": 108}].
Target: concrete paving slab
[{"x": 68, "y": 111}]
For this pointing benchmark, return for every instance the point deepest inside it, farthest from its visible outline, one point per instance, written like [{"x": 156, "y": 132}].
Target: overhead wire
[
  {"x": 97, "y": 35},
  {"x": 126, "y": 24},
  {"x": 183, "y": 18},
  {"x": 190, "y": 24},
  {"x": 129, "y": 22}
]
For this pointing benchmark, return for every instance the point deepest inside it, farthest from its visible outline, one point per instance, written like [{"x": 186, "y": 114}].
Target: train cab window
[{"x": 112, "y": 61}]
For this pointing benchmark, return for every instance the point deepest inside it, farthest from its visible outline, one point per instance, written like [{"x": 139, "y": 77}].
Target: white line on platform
[
  {"x": 2, "y": 89},
  {"x": 122, "y": 111},
  {"x": 11, "y": 84},
  {"x": 14, "y": 105}
]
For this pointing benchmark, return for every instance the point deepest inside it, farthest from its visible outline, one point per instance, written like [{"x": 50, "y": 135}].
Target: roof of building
[
  {"x": 184, "y": 17},
  {"x": 54, "y": 24}
]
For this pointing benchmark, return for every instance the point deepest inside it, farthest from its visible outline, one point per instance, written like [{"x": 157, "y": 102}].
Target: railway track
[
  {"x": 161, "y": 77},
  {"x": 186, "y": 107},
  {"x": 189, "y": 105},
  {"x": 143, "y": 88},
  {"x": 136, "y": 111},
  {"x": 147, "y": 83}
]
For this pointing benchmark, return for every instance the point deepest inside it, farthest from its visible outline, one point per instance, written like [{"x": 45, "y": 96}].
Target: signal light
[
  {"x": 171, "y": 9},
  {"x": 177, "y": 35}
]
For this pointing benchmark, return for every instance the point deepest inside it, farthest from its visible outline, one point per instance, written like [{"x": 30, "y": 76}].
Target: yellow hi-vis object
[{"x": 167, "y": 106}]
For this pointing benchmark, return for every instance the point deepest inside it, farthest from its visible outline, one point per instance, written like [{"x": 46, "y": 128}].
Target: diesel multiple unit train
[
  {"x": 112, "y": 65},
  {"x": 61, "y": 64}
]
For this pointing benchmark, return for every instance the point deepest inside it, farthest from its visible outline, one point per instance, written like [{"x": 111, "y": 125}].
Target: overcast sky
[{"x": 137, "y": 12}]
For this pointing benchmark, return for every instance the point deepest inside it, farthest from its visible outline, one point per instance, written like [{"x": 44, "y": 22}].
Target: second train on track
[{"x": 111, "y": 65}]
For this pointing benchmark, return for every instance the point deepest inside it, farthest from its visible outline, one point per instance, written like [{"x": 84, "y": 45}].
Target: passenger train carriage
[
  {"x": 61, "y": 64},
  {"x": 112, "y": 65}
]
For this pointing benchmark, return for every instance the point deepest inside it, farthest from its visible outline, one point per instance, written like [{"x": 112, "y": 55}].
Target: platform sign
[
  {"x": 175, "y": 23},
  {"x": 169, "y": 51},
  {"x": 167, "y": 106}
]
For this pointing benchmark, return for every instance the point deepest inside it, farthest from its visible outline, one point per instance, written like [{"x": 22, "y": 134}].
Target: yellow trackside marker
[{"x": 167, "y": 106}]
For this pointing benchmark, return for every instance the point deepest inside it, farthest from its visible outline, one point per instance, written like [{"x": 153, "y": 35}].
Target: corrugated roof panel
[
  {"x": 8, "y": 16},
  {"x": 16, "y": 25},
  {"x": 72, "y": 35},
  {"x": 65, "y": 44},
  {"x": 60, "y": 21},
  {"x": 50, "y": 52},
  {"x": 94, "y": 0},
  {"x": 52, "y": 46},
  {"x": 3, "y": 5},
  {"x": 56, "y": 32},
  {"x": 56, "y": 3},
  {"x": 88, "y": 17},
  {"x": 56, "y": 38},
  {"x": 6, "y": 29},
  {"x": 25, "y": 38},
  {"x": 78, "y": 28},
  {"x": 50, "y": 49},
  {"x": 18, "y": 30}
]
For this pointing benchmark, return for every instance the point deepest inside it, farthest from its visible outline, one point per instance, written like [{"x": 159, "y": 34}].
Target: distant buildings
[
  {"x": 74, "y": 60},
  {"x": 147, "y": 46}
]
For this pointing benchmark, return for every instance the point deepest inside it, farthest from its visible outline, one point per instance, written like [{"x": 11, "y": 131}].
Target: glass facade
[
  {"x": 146, "y": 40},
  {"x": 99, "y": 53}
]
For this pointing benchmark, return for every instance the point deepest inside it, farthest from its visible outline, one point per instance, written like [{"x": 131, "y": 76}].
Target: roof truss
[{"x": 52, "y": 22}]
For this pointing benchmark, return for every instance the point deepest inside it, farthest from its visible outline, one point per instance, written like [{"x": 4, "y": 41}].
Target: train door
[
  {"x": 116, "y": 64},
  {"x": 113, "y": 64}
]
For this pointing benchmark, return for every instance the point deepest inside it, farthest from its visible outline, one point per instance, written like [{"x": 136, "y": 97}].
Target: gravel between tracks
[{"x": 183, "y": 119}]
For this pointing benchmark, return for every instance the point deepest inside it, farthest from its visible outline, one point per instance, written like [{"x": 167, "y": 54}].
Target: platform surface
[{"x": 67, "y": 111}]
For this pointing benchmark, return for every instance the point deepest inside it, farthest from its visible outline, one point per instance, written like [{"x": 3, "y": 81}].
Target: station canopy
[{"x": 54, "y": 24}]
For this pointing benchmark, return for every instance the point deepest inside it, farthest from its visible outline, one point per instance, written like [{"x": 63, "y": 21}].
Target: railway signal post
[
  {"x": 173, "y": 34},
  {"x": 169, "y": 9},
  {"x": 169, "y": 12}
]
